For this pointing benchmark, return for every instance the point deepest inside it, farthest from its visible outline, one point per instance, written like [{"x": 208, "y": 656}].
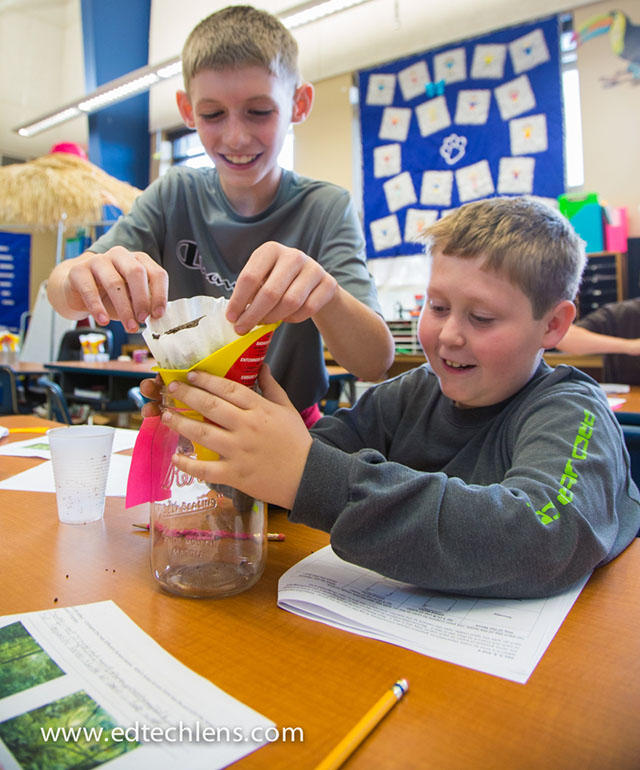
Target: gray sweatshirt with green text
[{"x": 519, "y": 499}]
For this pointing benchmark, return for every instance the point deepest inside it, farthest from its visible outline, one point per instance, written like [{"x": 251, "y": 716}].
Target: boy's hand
[
  {"x": 262, "y": 441},
  {"x": 278, "y": 284},
  {"x": 119, "y": 285},
  {"x": 151, "y": 388}
]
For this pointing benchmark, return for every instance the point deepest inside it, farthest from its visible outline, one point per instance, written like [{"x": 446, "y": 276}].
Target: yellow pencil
[
  {"x": 337, "y": 756},
  {"x": 34, "y": 429}
]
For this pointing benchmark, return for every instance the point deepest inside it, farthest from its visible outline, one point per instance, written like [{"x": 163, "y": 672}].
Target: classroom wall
[
  {"x": 610, "y": 120},
  {"x": 41, "y": 53},
  {"x": 331, "y": 116},
  {"x": 610, "y": 117}
]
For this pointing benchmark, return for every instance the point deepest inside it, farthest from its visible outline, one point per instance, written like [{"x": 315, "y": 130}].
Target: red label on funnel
[{"x": 246, "y": 367}]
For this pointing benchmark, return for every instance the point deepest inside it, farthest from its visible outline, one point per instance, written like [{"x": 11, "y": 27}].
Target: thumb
[{"x": 270, "y": 388}]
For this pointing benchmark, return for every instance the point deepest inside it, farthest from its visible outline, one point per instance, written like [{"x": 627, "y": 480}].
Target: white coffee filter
[{"x": 185, "y": 347}]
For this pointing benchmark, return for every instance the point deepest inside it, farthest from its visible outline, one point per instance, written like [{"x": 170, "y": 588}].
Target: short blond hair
[
  {"x": 523, "y": 238},
  {"x": 239, "y": 36}
]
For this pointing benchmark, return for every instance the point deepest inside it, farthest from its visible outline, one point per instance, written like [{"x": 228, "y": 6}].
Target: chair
[
  {"x": 57, "y": 408},
  {"x": 631, "y": 435},
  {"x": 628, "y": 418},
  {"x": 339, "y": 382},
  {"x": 70, "y": 348},
  {"x": 8, "y": 391},
  {"x": 25, "y": 318},
  {"x": 136, "y": 396}
]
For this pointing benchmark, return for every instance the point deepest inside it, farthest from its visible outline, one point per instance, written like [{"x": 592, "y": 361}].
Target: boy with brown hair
[
  {"x": 483, "y": 472},
  {"x": 280, "y": 246}
]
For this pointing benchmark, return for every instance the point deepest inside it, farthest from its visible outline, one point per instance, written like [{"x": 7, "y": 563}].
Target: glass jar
[{"x": 207, "y": 540}]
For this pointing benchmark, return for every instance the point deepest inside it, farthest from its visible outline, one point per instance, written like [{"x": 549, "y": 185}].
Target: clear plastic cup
[{"x": 80, "y": 455}]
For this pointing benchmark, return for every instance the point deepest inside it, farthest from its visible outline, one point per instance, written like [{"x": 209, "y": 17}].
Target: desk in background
[
  {"x": 579, "y": 709},
  {"x": 113, "y": 378},
  {"x": 591, "y": 364}
]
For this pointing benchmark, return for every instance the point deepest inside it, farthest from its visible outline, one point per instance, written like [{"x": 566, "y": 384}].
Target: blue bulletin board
[
  {"x": 471, "y": 120},
  {"x": 15, "y": 257}
]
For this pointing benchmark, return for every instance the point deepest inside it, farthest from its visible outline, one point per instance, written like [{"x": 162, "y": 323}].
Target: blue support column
[{"x": 116, "y": 41}]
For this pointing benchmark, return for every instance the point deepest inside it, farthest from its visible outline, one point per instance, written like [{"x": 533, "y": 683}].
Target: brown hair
[
  {"x": 239, "y": 36},
  {"x": 524, "y": 238}
]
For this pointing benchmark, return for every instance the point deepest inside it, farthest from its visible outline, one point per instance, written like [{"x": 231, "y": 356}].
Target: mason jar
[{"x": 207, "y": 540}]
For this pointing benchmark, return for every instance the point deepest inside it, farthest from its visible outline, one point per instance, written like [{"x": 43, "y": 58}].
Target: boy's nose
[
  {"x": 236, "y": 135},
  {"x": 451, "y": 332}
]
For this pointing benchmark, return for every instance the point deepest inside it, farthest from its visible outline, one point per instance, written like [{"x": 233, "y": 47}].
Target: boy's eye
[
  {"x": 260, "y": 113},
  {"x": 211, "y": 115},
  {"x": 437, "y": 308},
  {"x": 481, "y": 319}
]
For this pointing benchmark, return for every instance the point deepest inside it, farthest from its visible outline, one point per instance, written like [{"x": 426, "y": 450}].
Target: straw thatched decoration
[{"x": 38, "y": 193}]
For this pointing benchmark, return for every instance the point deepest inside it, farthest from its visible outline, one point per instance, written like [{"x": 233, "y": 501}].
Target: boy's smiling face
[
  {"x": 478, "y": 332},
  {"x": 242, "y": 116}
]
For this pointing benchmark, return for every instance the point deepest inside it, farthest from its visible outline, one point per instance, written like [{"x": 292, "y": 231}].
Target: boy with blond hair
[
  {"x": 484, "y": 471},
  {"x": 280, "y": 246}
]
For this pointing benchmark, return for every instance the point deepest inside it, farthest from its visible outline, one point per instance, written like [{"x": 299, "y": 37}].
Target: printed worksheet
[
  {"x": 503, "y": 637},
  {"x": 40, "y": 477},
  {"x": 85, "y": 686},
  {"x": 38, "y": 446}
]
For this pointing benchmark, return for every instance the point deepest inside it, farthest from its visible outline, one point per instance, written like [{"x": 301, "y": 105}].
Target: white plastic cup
[{"x": 80, "y": 455}]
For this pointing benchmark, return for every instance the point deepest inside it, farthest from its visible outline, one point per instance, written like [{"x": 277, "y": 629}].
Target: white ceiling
[{"x": 41, "y": 60}]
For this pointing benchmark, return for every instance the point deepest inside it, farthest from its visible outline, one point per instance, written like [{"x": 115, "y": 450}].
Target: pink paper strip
[{"x": 150, "y": 462}]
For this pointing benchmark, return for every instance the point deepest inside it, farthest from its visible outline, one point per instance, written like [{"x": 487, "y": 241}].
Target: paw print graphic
[{"x": 453, "y": 148}]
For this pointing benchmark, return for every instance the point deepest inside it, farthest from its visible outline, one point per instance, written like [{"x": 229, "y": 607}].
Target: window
[
  {"x": 187, "y": 150},
  {"x": 573, "y": 153}
]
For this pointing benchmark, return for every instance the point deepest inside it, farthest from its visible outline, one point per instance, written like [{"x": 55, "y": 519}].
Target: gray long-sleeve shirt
[{"x": 519, "y": 499}]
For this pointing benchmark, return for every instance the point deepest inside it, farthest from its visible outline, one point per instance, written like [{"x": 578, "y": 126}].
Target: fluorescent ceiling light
[
  {"x": 308, "y": 12},
  {"x": 142, "y": 79},
  {"x": 120, "y": 92},
  {"x": 42, "y": 124},
  {"x": 132, "y": 83}
]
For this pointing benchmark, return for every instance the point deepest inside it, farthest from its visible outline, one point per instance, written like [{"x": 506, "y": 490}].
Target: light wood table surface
[
  {"x": 579, "y": 709},
  {"x": 592, "y": 364},
  {"x": 631, "y": 399}
]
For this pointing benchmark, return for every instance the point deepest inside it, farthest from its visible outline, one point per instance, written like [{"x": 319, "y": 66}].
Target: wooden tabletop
[
  {"x": 31, "y": 368},
  {"x": 579, "y": 709},
  {"x": 112, "y": 367},
  {"x": 631, "y": 399},
  {"x": 402, "y": 362}
]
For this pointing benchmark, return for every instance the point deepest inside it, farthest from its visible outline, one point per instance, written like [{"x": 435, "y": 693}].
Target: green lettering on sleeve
[{"x": 546, "y": 518}]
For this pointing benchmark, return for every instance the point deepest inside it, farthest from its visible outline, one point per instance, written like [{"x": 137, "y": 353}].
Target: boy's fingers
[
  {"x": 159, "y": 288},
  {"x": 125, "y": 285},
  {"x": 138, "y": 289},
  {"x": 322, "y": 293},
  {"x": 214, "y": 436},
  {"x": 147, "y": 283},
  {"x": 270, "y": 388},
  {"x": 287, "y": 284},
  {"x": 116, "y": 292},
  {"x": 209, "y": 470},
  {"x": 82, "y": 282},
  {"x": 262, "y": 283},
  {"x": 152, "y": 409},
  {"x": 249, "y": 281},
  {"x": 151, "y": 387},
  {"x": 203, "y": 386}
]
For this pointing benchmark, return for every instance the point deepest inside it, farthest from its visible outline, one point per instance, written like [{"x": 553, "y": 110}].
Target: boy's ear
[
  {"x": 185, "y": 108},
  {"x": 302, "y": 103},
  {"x": 558, "y": 322}
]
